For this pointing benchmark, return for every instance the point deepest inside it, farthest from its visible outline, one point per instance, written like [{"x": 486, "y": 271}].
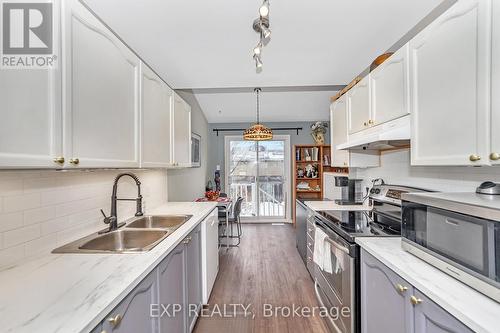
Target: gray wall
[
  {"x": 216, "y": 144},
  {"x": 188, "y": 184}
]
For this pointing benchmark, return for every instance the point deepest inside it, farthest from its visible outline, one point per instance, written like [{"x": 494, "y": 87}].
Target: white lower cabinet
[
  {"x": 101, "y": 93},
  {"x": 181, "y": 132},
  {"x": 156, "y": 120},
  {"x": 390, "y": 304},
  {"x": 450, "y": 74}
]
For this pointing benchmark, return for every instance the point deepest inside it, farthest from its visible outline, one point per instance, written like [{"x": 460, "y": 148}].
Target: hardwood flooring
[{"x": 265, "y": 269}]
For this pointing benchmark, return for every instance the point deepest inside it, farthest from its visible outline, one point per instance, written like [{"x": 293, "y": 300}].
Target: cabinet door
[
  {"x": 182, "y": 132},
  {"x": 30, "y": 111},
  {"x": 385, "y": 303},
  {"x": 171, "y": 284},
  {"x": 358, "y": 101},
  {"x": 338, "y": 119},
  {"x": 209, "y": 253},
  {"x": 390, "y": 90},
  {"x": 193, "y": 273},
  {"x": 431, "y": 318},
  {"x": 449, "y": 64},
  {"x": 101, "y": 93},
  {"x": 133, "y": 313},
  {"x": 495, "y": 97},
  {"x": 156, "y": 102}
]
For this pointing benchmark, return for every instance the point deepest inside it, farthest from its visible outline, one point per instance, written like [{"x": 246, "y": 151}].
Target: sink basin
[
  {"x": 159, "y": 221},
  {"x": 125, "y": 241}
]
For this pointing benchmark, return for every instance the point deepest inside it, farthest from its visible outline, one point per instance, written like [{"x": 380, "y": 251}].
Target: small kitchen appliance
[{"x": 351, "y": 191}]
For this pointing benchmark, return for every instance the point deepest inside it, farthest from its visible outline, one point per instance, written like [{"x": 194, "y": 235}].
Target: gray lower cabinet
[
  {"x": 133, "y": 313},
  {"x": 193, "y": 272},
  {"x": 170, "y": 288},
  {"x": 171, "y": 283},
  {"x": 390, "y": 304}
]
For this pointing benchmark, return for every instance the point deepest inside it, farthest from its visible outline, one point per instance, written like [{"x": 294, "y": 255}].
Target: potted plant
[{"x": 318, "y": 132}]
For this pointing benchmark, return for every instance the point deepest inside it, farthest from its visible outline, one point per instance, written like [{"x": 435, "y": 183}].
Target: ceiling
[{"x": 197, "y": 44}]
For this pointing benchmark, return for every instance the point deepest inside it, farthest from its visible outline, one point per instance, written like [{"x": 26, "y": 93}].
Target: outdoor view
[{"x": 256, "y": 173}]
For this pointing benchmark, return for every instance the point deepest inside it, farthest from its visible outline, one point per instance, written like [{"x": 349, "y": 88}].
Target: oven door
[{"x": 336, "y": 289}]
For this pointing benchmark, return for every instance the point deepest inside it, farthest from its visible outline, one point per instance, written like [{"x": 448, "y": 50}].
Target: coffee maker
[{"x": 352, "y": 193}]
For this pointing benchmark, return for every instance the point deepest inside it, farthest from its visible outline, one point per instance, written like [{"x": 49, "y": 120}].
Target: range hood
[{"x": 394, "y": 134}]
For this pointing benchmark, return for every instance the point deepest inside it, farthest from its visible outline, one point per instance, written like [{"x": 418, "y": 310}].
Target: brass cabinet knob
[
  {"x": 74, "y": 161},
  {"x": 494, "y": 156},
  {"x": 116, "y": 320},
  {"x": 187, "y": 240},
  {"x": 474, "y": 157},
  {"x": 371, "y": 122},
  {"x": 309, "y": 259},
  {"x": 365, "y": 124},
  {"x": 59, "y": 160},
  {"x": 401, "y": 289},
  {"x": 415, "y": 301}
]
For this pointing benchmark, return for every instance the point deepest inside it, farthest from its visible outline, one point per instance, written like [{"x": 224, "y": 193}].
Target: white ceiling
[{"x": 208, "y": 44}]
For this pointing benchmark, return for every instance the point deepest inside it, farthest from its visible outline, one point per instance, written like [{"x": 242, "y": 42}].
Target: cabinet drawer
[{"x": 310, "y": 230}]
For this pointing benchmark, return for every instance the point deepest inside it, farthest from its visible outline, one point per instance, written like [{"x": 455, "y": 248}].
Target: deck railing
[{"x": 270, "y": 199}]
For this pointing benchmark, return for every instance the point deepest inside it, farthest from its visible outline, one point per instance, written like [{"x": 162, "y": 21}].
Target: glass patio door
[{"x": 257, "y": 172}]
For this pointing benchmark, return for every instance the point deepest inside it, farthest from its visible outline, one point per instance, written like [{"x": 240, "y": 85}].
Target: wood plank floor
[{"x": 265, "y": 269}]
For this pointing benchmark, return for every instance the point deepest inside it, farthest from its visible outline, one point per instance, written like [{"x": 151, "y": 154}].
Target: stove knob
[
  {"x": 372, "y": 191},
  {"x": 377, "y": 191}
]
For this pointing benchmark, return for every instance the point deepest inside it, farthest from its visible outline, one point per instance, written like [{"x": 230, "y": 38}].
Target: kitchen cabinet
[
  {"x": 495, "y": 86},
  {"x": 450, "y": 71},
  {"x": 430, "y": 318},
  {"x": 156, "y": 120},
  {"x": 30, "y": 130},
  {"x": 193, "y": 274},
  {"x": 181, "y": 132},
  {"x": 209, "y": 253},
  {"x": 358, "y": 101},
  {"x": 390, "y": 90},
  {"x": 101, "y": 93},
  {"x": 339, "y": 135},
  {"x": 171, "y": 283},
  {"x": 133, "y": 313},
  {"x": 383, "y": 292},
  {"x": 380, "y": 285}
]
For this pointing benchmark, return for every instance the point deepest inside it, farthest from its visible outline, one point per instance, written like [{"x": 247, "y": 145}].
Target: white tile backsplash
[
  {"x": 396, "y": 169},
  {"x": 41, "y": 210}
]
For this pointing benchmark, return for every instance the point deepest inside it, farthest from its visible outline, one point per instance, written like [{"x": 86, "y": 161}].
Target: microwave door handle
[{"x": 337, "y": 245}]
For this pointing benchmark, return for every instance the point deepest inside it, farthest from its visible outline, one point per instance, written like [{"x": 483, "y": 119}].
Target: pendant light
[{"x": 258, "y": 132}]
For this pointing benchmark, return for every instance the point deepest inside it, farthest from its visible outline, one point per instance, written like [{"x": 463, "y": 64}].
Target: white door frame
[{"x": 287, "y": 186}]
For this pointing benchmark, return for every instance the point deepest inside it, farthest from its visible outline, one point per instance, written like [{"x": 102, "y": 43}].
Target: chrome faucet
[{"x": 112, "y": 220}]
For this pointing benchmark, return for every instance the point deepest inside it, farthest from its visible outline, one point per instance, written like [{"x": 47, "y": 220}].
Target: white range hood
[{"x": 393, "y": 134}]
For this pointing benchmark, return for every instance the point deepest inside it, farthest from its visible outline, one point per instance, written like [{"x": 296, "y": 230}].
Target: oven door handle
[{"x": 337, "y": 245}]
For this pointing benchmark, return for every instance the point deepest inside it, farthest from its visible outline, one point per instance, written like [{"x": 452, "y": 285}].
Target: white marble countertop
[
  {"x": 74, "y": 292},
  {"x": 475, "y": 310},
  {"x": 331, "y": 205}
]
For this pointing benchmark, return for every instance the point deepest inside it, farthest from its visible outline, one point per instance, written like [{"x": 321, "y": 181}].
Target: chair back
[
  {"x": 223, "y": 195},
  {"x": 237, "y": 208}
]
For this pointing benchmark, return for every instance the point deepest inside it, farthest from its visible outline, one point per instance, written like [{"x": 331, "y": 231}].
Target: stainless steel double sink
[{"x": 139, "y": 235}]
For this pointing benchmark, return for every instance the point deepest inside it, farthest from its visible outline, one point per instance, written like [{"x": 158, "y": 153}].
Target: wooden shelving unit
[{"x": 307, "y": 157}]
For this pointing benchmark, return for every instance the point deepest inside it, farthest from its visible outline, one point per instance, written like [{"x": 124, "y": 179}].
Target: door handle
[{"x": 338, "y": 246}]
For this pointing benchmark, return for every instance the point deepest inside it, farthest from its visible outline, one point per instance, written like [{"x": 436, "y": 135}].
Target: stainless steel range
[{"x": 340, "y": 288}]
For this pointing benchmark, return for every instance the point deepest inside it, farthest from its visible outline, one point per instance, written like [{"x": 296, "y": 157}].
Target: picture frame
[{"x": 195, "y": 150}]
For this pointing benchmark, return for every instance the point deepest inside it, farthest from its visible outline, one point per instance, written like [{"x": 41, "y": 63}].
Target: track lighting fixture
[{"x": 261, "y": 26}]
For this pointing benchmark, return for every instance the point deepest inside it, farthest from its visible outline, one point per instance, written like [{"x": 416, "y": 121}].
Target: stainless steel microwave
[{"x": 458, "y": 233}]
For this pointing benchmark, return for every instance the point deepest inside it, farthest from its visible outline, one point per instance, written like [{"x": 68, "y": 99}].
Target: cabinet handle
[
  {"x": 371, "y": 122},
  {"x": 401, "y": 289},
  {"x": 187, "y": 240},
  {"x": 59, "y": 160},
  {"x": 310, "y": 229},
  {"x": 415, "y": 301},
  {"x": 309, "y": 259},
  {"x": 474, "y": 157},
  {"x": 365, "y": 124},
  {"x": 74, "y": 161},
  {"x": 104, "y": 331},
  {"x": 494, "y": 156},
  {"x": 115, "y": 321}
]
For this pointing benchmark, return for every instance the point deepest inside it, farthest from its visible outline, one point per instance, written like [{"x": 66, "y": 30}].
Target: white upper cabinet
[
  {"x": 450, "y": 75},
  {"x": 181, "y": 132},
  {"x": 338, "y": 126},
  {"x": 358, "y": 101},
  {"x": 30, "y": 113},
  {"x": 390, "y": 90},
  {"x": 101, "y": 93},
  {"x": 495, "y": 88},
  {"x": 156, "y": 120}
]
